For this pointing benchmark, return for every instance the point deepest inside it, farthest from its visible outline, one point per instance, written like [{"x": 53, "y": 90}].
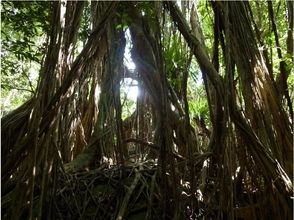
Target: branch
[
  {"x": 153, "y": 146},
  {"x": 196, "y": 47},
  {"x": 17, "y": 88},
  {"x": 127, "y": 197}
]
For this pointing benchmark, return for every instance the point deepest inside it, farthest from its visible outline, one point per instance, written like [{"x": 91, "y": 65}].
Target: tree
[{"x": 60, "y": 146}]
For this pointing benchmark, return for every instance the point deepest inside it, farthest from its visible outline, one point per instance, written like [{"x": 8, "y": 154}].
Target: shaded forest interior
[{"x": 147, "y": 110}]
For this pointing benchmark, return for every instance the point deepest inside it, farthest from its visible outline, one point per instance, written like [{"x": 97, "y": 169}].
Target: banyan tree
[{"x": 71, "y": 151}]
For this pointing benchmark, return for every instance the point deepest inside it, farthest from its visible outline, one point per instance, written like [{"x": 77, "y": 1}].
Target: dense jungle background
[{"x": 147, "y": 110}]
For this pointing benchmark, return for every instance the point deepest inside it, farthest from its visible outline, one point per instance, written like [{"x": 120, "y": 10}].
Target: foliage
[
  {"x": 24, "y": 27},
  {"x": 128, "y": 95}
]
